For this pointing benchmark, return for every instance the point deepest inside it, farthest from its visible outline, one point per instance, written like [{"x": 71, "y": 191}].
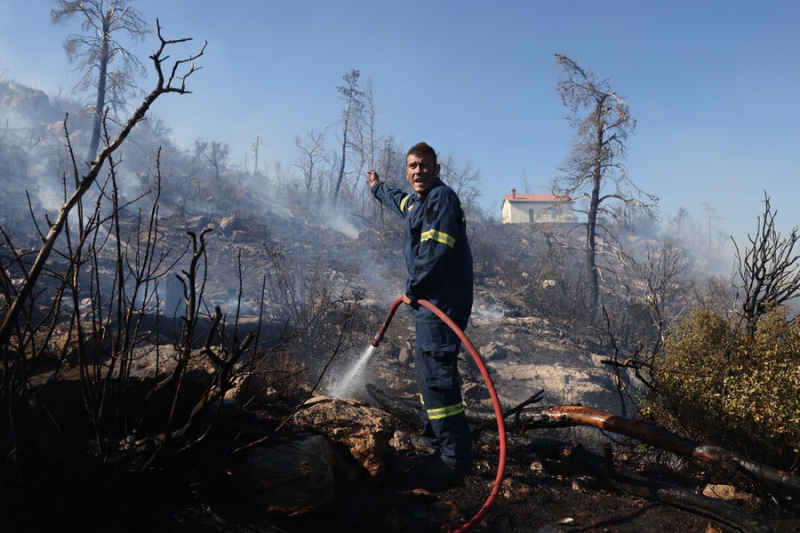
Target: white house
[{"x": 536, "y": 208}]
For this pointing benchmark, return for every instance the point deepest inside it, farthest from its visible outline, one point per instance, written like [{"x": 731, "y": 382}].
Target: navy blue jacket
[{"x": 437, "y": 252}]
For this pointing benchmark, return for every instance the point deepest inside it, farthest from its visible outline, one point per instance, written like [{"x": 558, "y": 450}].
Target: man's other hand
[
  {"x": 409, "y": 300},
  {"x": 372, "y": 178}
]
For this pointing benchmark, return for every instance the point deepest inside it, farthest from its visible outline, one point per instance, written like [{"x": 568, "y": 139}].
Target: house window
[{"x": 530, "y": 216}]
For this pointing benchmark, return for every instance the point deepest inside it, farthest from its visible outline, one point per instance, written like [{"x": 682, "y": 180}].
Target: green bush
[{"x": 722, "y": 386}]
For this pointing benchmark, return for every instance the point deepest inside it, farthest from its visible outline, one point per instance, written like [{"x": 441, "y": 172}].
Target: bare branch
[
  {"x": 85, "y": 183},
  {"x": 768, "y": 271}
]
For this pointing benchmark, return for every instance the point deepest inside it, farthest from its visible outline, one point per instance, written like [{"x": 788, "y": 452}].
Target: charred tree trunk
[
  {"x": 591, "y": 240},
  {"x": 100, "y": 101},
  {"x": 663, "y": 439}
]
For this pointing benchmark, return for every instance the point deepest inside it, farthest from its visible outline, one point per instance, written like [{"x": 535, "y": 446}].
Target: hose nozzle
[{"x": 378, "y": 338}]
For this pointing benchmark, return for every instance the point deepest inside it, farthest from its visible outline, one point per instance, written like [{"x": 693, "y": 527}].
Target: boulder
[
  {"x": 293, "y": 477},
  {"x": 494, "y": 352},
  {"x": 362, "y": 431},
  {"x": 406, "y": 356},
  {"x": 475, "y": 392}
]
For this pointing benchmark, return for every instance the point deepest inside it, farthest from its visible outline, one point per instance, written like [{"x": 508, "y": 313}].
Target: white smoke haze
[
  {"x": 337, "y": 222},
  {"x": 382, "y": 273},
  {"x": 131, "y": 184},
  {"x": 328, "y": 248},
  {"x": 486, "y": 312},
  {"x": 49, "y": 196},
  {"x": 11, "y": 121}
]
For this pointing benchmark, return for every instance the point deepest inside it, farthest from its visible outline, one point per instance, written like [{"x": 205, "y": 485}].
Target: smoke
[
  {"x": 486, "y": 313},
  {"x": 131, "y": 184},
  {"x": 49, "y": 197},
  {"x": 334, "y": 217},
  {"x": 337, "y": 222}
]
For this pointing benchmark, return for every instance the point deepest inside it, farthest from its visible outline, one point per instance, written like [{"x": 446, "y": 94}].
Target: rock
[
  {"x": 227, "y": 408},
  {"x": 252, "y": 386},
  {"x": 290, "y": 478},
  {"x": 494, "y": 352},
  {"x": 363, "y": 431},
  {"x": 475, "y": 392},
  {"x": 468, "y": 370},
  {"x": 401, "y": 442},
  {"x": 229, "y": 224},
  {"x": 25, "y": 100},
  {"x": 727, "y": 493},
  {"x": 197, "y": 222},
  {"x": 515, "y": 490}
]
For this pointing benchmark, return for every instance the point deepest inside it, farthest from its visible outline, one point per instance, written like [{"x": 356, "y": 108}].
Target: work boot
[
  {"x": 436, "y": 474},
  {"x": 444, "y": 471}
]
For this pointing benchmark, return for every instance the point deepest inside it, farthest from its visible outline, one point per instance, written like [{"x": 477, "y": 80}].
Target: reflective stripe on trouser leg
[
  {"x": 445, "y": 424},
  {"x": 444, "y": 412}
]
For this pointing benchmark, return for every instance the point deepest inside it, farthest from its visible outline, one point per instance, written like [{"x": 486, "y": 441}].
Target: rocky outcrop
[
  {"x": 361, "y": 432},
  {"x": 26, "y": 101}
]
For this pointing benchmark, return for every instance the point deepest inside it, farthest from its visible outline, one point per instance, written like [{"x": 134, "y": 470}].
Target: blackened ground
[
  {"x": 562, "y": 497},
  {"x": 562, "y": 494}
]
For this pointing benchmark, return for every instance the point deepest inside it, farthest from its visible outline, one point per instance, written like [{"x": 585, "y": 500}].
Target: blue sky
[{"x": 714, "y": 85}]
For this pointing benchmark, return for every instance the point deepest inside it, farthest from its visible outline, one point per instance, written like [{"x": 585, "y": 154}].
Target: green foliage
[{"x": 739, "y": 391}]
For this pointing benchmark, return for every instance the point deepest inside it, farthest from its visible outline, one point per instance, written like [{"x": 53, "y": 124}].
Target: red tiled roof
[{"x": 536, "y": 198}]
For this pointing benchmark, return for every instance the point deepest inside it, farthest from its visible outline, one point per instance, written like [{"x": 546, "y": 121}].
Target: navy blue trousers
[{"x": 436, "y": 361}]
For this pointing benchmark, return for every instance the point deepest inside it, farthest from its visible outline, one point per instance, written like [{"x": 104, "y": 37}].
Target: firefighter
[{"x": 439, "y": 262}]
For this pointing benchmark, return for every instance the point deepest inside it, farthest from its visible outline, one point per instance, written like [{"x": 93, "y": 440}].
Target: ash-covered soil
[
  {"x": 555, "y": 481},
  {"x": 547, "y": 488}
]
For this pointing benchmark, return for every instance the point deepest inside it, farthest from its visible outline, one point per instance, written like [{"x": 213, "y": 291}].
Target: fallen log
[
  {"x": 408, "y": 411},
  {"x": 574, "y": 415},
  {"x": 665, "y": 440}
]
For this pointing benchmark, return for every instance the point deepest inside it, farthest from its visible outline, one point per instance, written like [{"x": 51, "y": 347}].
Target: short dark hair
[{"x": 422, "y": 150}]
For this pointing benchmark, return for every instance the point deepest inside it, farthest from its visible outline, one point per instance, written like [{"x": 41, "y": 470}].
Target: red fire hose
[{"x": 501, "y": 430}]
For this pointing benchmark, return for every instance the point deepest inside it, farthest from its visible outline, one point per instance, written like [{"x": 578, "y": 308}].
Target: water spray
[
  {"x": 498, "y": 411},
  {"x": 346, "y": 384}
]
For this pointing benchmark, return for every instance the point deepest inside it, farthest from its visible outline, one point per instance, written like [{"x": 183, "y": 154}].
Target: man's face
[{"x": 421, "y": 173}]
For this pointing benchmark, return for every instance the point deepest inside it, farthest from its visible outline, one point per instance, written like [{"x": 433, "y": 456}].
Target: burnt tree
[
  {"x": 767, "y": 270},
  {"x": 594, "y": 169},
  {"x": 106, "y": 65}
]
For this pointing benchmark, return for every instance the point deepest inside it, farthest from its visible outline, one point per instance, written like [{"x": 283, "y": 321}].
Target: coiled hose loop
[{"x": 498, "y": 411}]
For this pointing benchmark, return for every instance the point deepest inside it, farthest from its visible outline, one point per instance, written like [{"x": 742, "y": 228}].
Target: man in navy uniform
[{"x": 439, "y": 262}]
